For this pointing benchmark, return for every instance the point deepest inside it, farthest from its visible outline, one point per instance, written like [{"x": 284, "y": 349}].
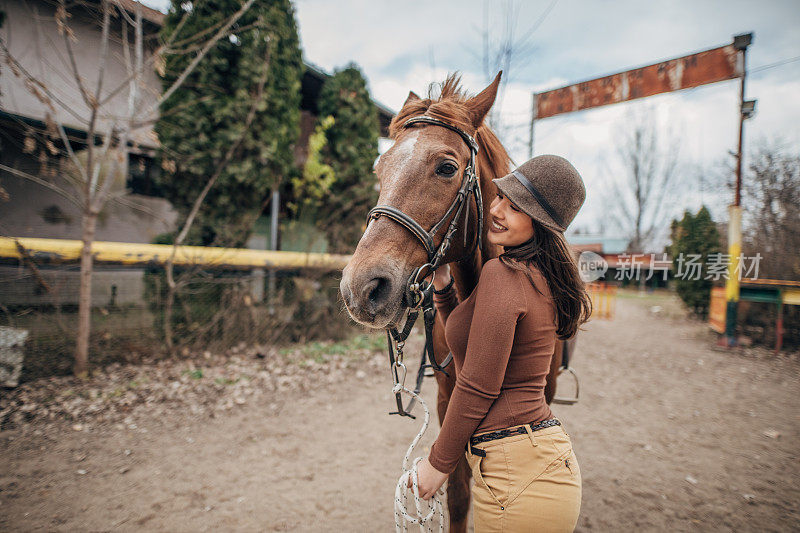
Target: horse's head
[{"x": 419, "y": 175}]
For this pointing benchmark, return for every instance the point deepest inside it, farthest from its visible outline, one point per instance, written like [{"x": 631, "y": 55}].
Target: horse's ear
[
  {"x": 412, "y": 97},
  {"x": 482, "y": 103}
]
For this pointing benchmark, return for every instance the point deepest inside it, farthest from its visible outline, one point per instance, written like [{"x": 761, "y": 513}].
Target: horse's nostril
[{"x": 377, "y": 290}]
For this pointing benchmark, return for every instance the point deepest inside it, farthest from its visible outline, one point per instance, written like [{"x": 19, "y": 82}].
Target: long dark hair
[{"x": 549, "y": 252}]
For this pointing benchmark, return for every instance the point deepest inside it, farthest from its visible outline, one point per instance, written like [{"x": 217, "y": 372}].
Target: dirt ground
[{"x": 671, "y": 435}]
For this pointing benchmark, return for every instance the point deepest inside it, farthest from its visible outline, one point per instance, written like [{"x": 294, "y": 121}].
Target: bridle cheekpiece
[{"x": 418, "y": 293}]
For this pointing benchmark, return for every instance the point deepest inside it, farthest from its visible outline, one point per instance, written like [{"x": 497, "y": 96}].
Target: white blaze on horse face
[
  {"x": 405, "y": 150},
  {"x": 402, "y": 154}
]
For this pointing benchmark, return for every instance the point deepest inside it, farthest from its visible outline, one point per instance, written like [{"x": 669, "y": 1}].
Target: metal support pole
[
  {"x": 732, "y": 283},
  {"x": 273, "y": 245},
  {"x": 740, "y": 42},
  {"x": 779, "y": 326},
  {"x": 738, "y": 199}
]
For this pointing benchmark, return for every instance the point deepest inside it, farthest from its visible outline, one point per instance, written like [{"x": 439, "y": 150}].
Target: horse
[{"x": 416, "y": 180}]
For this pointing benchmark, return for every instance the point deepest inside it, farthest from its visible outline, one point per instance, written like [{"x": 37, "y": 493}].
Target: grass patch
[
  {"x": 319, "y": 351},
  {"x": 655, "y": 297},
  {"x": 196, "y": 373}
]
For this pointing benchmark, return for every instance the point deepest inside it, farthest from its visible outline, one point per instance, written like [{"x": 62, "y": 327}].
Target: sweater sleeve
[
  {"x": 499, "y": 303},
  {"x": 445, "y": 303}
]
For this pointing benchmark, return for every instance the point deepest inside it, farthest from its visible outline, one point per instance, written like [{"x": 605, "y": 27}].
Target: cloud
[{"x": 404, "y": 46}]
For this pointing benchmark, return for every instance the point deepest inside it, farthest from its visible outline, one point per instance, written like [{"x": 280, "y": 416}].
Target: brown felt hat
[{"x": 547, "y": 188}]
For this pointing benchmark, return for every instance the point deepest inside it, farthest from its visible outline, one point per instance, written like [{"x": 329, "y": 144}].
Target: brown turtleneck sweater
[{"x": 502, "y": 338}]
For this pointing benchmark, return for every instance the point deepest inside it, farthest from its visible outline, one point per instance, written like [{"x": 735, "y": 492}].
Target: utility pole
[
  {"x": 273, "y": 245},
  {"x": 746, "y": 110}
]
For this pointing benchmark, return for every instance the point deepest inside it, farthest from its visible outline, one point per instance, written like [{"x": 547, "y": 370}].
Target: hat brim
[{"x": 520, "y": 196}]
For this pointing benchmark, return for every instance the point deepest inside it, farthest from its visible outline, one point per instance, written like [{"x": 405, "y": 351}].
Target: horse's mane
[{"x": 447, "y": 101}]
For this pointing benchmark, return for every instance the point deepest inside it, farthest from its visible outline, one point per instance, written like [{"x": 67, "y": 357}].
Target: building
[{"x": 136, "y": 214}]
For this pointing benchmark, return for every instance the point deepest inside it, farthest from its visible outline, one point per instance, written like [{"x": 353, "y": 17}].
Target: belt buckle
[
  {"x": 550, "y": 422},
  {"x": 519, "y": 430}
]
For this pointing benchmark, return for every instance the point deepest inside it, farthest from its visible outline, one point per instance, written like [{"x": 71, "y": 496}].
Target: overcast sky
[{"x": 406, "y": 45}]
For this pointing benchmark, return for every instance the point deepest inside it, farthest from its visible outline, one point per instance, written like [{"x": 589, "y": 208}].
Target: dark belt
[{"x": 501, "y": 433}]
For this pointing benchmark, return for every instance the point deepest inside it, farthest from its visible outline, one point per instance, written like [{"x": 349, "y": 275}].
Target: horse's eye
[{"x": 446, "y": 169}]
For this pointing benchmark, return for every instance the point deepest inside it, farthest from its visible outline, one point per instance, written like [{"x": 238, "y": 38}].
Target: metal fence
[{"x": 213, "y": 309}]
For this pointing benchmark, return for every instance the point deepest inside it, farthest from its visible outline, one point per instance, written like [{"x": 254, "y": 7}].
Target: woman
[{"x": 502, "y": 337}]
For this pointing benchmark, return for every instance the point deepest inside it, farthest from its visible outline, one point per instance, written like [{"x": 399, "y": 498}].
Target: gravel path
[{"x": 671, "y": 435}]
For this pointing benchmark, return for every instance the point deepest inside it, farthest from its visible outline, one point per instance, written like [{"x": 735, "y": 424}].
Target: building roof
[
  {"x": 313, "y": 79},
  {"x": 607, "y": 244},
  {"x": 149, "y": 14}
]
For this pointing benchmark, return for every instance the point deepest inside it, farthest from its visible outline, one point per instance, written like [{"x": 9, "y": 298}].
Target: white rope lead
[{"x": 401, "y": 516}]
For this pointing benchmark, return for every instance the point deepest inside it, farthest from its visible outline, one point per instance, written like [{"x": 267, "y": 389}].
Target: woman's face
[{"x": 508, "y": 226}]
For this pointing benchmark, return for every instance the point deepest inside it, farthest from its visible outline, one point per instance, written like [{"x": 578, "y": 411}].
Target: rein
[{"x": 418, "y": 293}]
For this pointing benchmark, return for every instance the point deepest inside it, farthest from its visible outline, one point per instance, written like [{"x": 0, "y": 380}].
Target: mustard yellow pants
[{"x": 528, "y": 482}]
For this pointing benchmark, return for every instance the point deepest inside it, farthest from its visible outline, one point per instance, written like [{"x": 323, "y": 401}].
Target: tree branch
[
  {"x": 177, "y": 83},
  {"x": 103, "y": 49},
  {"x": 126, "y": 50},
  {"x": 66, "y": 32},
  {"x": 120, "y": 199},
  {"x": 36, "y": 87},
  {"x": 43, "y": 183},
  {"x": 228, "y": 156}
]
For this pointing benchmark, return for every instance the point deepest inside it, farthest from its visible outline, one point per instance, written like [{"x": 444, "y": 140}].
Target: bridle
[{"x": 419, "y": 294}]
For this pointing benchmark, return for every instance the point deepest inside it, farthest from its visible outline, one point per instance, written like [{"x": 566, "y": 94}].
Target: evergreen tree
[
  {"x": 316, "y": 179},
  {"x": 202, "y": 119},
  {"x": 350, "y": 150},
  {"x": 694, "y": 234}
]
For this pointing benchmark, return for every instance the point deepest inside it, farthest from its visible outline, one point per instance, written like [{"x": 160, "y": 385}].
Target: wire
[
  {"x": 539, "y": 21},
  {"x": 772, "y": 65}
]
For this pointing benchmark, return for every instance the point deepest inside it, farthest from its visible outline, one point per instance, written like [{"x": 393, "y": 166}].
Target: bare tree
[
  {"x": 637, "y": 200},
  {"x": 172, "y": 284},
  {"x": 507, "y": 47},
  {"x": 771, "y": 205},
  {"x": 110, "y": 128}
]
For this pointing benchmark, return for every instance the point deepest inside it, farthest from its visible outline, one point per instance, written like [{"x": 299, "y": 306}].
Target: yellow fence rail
[
  {"x": 604, "y": 299},
  {"x": 122, "y": 253}
]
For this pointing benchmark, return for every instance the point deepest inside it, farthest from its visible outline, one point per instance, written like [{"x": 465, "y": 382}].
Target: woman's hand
[
  {"x": 429, "y": 480},
  {"x": 441, "y": 278}
]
